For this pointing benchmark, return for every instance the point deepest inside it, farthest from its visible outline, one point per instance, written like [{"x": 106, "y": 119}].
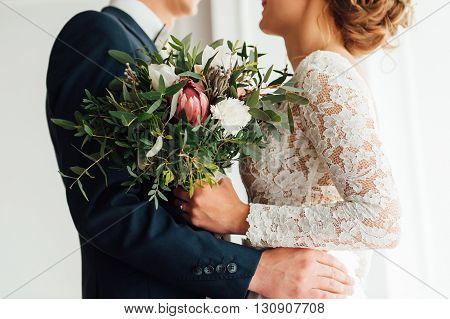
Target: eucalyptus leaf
[
  {"x": 259, "y": 114},
  {"x": 68, "y": 125},
  {"x": 126, "y": 118},
  {"x": 156, "y": 148},
  {"x": 121, "y": 56},
  {"x": 174, "y": 105},
  {"x": 274, "y": 116},
  {"x": 80, "y": 186},
  {"x": 191, "y": 75},
  {"x": 253, "y": 99}
]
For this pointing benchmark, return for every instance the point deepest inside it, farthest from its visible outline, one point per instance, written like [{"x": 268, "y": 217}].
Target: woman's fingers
[
  {"x": 181, "y": 194},
  {"x": 333, "y": 286},
  {"x": 335, "y": 274}
]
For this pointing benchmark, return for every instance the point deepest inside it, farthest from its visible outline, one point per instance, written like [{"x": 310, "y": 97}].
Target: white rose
[
  {"x": 232, "y": 114},
  {"x": 168, "y": 73},
  {"x": 224, "y": 57}
]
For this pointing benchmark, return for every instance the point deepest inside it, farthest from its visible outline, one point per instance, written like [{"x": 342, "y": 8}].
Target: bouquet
[{"x": 181, "y": 116}]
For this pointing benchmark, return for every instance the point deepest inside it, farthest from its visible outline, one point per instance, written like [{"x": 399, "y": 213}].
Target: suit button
[
  {"x": 220, "y": 268},
  {"x": 232, "y": 268},
  {"x": 208, "y": 270},
  {"x": 197, "y": 271}
]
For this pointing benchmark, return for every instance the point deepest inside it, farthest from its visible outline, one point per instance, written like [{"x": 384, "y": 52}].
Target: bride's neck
[{"x": 315, "y": 32}]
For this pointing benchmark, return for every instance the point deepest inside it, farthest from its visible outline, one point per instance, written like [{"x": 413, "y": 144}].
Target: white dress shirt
[{"x": 144, "y": 17}]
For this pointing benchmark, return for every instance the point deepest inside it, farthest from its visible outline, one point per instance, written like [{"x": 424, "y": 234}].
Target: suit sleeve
[{"x": 125, "y": 225}]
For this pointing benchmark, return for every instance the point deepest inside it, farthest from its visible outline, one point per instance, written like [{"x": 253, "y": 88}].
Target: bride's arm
[{"x": 338, "y": 123}]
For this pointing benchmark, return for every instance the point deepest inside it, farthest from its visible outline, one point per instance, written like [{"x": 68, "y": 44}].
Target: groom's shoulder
[{"x": 92, "y": 23}]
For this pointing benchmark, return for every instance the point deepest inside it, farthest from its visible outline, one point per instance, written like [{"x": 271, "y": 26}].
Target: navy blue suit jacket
[{"x": 129, "y": 248}]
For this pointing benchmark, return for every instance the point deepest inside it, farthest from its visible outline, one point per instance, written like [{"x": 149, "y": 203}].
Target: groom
[{"x": 130, "y": 249}]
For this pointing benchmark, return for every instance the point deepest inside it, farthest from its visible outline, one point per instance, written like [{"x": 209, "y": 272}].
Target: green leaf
[
  {"x": 297, "y": 99},
  {"x": 279, "y": 81},
  {"x": 154, "y": 107},
  {"x": 216, "y": 44},
  {"x": 121, "y": 56},
  {"x": 161, "y": 195},
  {"x": 274, "y": 116},
  {"x": 130, "y": 171},
  {"x": 151, "y": 96},
  {"x": 274, "y": 98},
  {"x": 291, "y": 89},
  {"x": 121, "y": 144},
  {"x": 125, "y": 117},
  {"x": 156, "y": 148},
  {"x": 191, "y": 75},
  {"x": 233, "y": 92},
  {"x": 244, "y": 51},
  {"x": 253, "y": 99},
  {"x": 208, "y": 63},
  {"x": 187, "y": 40},
  {"x": 80, "y": 186},
  {"x": 267, "y": 76},
  {"x": 65, "y": 176},
  {"x": 142, "y": 117},
  {"x": 259, "y": 114},
  {"x": 162, "y": 84},
  {"x": 291, "y": 120},
  {"x": 125, "y": 93},
  {"x": 77, "y": 170},
  {"x": 177, "y": 41},
  {"x": 251, "y": 150},
  {"x": 171, "y": 90},
  {"x": 88, "y": 130},
  {"x": 174, "y": 105},
  {"x": 68, "y": 125},
  {"x": 115, "y": 84}
]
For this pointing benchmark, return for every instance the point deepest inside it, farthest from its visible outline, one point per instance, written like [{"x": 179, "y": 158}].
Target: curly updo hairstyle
[{"x": 368, "y": 24}]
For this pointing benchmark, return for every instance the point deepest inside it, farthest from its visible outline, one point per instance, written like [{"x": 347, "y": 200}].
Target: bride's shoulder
[{"x": 330, "y": 68}]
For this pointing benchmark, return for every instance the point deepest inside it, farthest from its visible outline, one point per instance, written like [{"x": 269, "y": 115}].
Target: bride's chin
[
  {"x": 267, "y": 30},
  {"x": 264, "y": 28}
]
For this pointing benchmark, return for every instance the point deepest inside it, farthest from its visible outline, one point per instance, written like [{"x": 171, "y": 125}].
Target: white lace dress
[{"x": 328, "y": 185}]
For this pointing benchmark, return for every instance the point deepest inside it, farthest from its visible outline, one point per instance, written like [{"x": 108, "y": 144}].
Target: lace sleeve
[{"x": 338, "y": 123}]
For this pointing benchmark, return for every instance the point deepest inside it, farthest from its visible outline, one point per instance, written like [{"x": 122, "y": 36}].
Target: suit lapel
[{"x": 131, "y": 26}]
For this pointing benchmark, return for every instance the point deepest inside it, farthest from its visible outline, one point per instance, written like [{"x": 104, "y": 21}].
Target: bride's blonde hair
[{"x": 368, "y": 24}]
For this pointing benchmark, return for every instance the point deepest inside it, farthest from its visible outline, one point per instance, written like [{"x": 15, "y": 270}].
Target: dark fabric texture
[{"x": 129, "y": 248}]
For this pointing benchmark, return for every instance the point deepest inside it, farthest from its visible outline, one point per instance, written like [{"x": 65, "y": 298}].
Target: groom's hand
[{"x": 295, "y": 273}]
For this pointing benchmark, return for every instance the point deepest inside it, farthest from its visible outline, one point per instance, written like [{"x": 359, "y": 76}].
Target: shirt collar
[{"x": 143, "y": 16}]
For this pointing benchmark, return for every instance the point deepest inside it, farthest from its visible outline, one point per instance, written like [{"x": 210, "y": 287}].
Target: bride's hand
[{"x": 217, "y": 209}]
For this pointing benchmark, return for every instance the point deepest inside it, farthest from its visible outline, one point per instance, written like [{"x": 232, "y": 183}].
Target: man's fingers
[
  {"x": 181, "y": 194},
  {"x": 333, "y": 286},
  {"x": 334, "y": 273},
  {"x": 329, "y": 260},
  {"x": 321, "y": 294}
]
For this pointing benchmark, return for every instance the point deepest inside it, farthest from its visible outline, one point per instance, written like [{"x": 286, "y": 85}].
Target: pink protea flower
[{"x": 193, "y": 102}]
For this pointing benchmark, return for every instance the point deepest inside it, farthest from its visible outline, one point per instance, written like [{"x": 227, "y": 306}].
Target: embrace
[{"x": 320, "y": 195}]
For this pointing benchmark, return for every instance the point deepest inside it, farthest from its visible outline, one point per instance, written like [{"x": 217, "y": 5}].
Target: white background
[{"x": 410, "y": 86}]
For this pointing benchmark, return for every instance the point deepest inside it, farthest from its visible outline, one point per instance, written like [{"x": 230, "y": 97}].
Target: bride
[{"x": 327, "y": 185}]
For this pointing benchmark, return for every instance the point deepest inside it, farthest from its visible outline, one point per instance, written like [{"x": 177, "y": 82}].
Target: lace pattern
[{"x": 328, "y": 185}]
